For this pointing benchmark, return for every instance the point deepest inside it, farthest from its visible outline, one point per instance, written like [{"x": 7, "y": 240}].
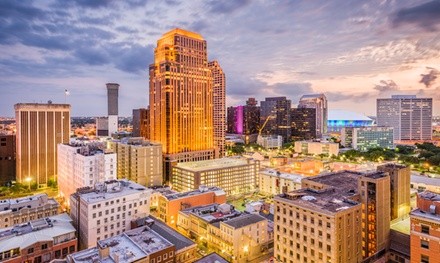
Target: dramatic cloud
[
  {"x": 266, "y": 48},
  {"x": 386, "y": 85},
  {"x": 426, "y": 16},
  {"x": 429, "y": 79}
]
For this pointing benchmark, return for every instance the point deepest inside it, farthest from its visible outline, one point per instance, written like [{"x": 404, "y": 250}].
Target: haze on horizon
[{"x": 353, "y": 51}]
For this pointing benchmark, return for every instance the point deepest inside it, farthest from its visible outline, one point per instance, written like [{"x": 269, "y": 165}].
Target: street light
[{"x": 28, "y": 179}]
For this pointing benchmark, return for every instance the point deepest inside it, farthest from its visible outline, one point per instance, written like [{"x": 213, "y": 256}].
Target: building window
[
  {"x": 424, "y": 244},
  {"x": 44, "y": 246},
  {"x": 424, "y": 259},
  {"x": 425, "y": 229},
  {"x": 31, "y": 250}
]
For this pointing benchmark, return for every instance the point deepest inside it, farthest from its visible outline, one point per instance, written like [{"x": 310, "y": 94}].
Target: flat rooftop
[
  {"x": 339, "y": 190},
  {"x": 109, "y": 190},
  {"x": 202, "y": 190},
  {"x": 206, "y": 165},
  {"x": 130, "y": 246},
  {"x": 28, "y": 202},
  {"x": 212, "y": 213},
  {"x": 420, "y": 179},
  {"x": 45, "y": 229},
  {"x": 287, "y": 176},
  {"x": 212, "y": 258}
]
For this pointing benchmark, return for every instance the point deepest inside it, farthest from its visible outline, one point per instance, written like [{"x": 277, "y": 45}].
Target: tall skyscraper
[
  {"x": 112, "y": 99},
  {"x": 40, "y": 127},
  {"x": 140, "y": 122},
  {"x": 275, "y": 117},
  {"x": 219, "y": 96},
  {"x": 303, "y": 124},
  {"x": 318, "y": 102},
  {"x": 411, "y": 117},
  {"x": 7, "y": 158},
  {"x": 251, "y": 117},
  {"x": 181, "y": 99}
]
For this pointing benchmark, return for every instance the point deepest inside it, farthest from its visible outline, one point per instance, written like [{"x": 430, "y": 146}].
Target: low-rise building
[
  {"x": 213, "y": 257},
  {"x": 153, "y": 242},
  {"x": 270, "y": 141},
  {"x": 425, "y": 228},
  {"x": 25, "y": 209},
  {"x": 235, "y": 175},
  {"x": 317, "y": 147},
  {"x": 364, "y": 138},
  {"x": 273, "y": 182},
  {"x": 238, "y": 237},
  {"x": 40, "y": 240},
  {"x": 139, "y": 160},
  {"x": 82, "y": 164},
  {"x": 420, "y": 183},
  {"x": 170, "y": 204},
  {"x": 107, "y": 209}
]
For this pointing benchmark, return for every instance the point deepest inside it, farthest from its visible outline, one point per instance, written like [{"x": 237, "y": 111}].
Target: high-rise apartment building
[
  {"x": 400, "y": 179},
  {"x": 7, "y": 158},
  {"x": 251, "y": 117},
  {"x": 425, "y": 229},
  {"x": 364, "y": 138},
  {"x": 318, "y": 102},
  {"x": 275, "y": 117},
  {"x": 139, "y": 161},
  {"x": 84, "y": 164},
  {"x": 112, "y": 106},
  {"x": 40, "y": 127},
  {"x": 181, "y": 99},
  {"x": 107, "y": 209},
  {"x": 219, "y": 106},
  {"x": 411, "y": 117},
  {"x": 140, "y": 123},
  {"x": 303, "y": 122}
]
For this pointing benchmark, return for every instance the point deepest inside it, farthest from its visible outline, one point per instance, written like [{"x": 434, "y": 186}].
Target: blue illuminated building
[{"x": 338, "y": 119}]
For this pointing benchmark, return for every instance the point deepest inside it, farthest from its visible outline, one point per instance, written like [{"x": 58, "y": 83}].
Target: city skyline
[{"x": 353, "y": 53}]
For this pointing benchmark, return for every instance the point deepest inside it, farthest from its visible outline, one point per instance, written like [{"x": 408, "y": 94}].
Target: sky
[{"x": 352, "y": 51}]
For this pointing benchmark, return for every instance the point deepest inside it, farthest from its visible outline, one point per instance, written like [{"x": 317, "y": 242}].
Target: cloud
[
  {"x": 386, "y": 85},
  {"x": 429, "y": 79},
  {"x": 426, "y": 16},
  {"x": 226, "y": 6}
]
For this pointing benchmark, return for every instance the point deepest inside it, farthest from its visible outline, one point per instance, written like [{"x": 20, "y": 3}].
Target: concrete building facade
[
  {"x": 219, "y": 106},
  {"x": 317, "y": 147},
  {"x": 141, "y": 123},
  {"x": 112, "y": 107},
  {"x": 24, "y": 209},
  {"x": 139, "y": 161},
  {"x": 40, "y": 128},
  {"x": 107, "y": 209},
  {"x": 411, "y": 117},
  {"x": 303, "y": 123},
  {"x": 364, "y": 138},
  {"x": 83, "y": 165},
  {"x": 234, "y": 175}
]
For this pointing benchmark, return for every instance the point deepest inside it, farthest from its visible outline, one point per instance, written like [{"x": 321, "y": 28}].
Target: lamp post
[{"x": 28, "y": 179}]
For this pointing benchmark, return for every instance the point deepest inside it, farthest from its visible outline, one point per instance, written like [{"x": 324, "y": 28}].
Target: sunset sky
[{"x": 353, "y": 51}]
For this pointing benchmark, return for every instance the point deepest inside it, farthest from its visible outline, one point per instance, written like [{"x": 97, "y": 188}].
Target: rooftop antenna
[{"x": 66, "y": 93}]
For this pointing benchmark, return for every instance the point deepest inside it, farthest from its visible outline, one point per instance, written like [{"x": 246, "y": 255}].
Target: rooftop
[
  {"x": 109, "y": 190},
  {"x": 212, "y": 258},
  {"x": 339, "y": 190},
  {"x": 127, "y": 247},
  {"x": 317, "y": 141},
  {"x": 179, "y": 31},
  {"x": 174, "y": 237},
  {"x": 244, "y": 220},
  {"x": 288, "y": 176},
  {"x": 213, "y": 213},
  {"x": 28, "y": 202},
  {"x": 347, "y": 115},
  {"x": 201, "y": 190},
  {"x": 213, "y": 164},
  {"x": 312, "y": 96},
  {"x": 136, "y": 142},
  {"x": 419, "y": 179},
  {"x": 45, "y": 229}
]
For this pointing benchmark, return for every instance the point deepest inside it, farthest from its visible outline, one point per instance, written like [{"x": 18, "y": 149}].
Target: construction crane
[{"x": 271, "y": 116}]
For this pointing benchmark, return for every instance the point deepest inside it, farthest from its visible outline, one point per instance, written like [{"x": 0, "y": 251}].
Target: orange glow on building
[{"x": 181, "y": 98}]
